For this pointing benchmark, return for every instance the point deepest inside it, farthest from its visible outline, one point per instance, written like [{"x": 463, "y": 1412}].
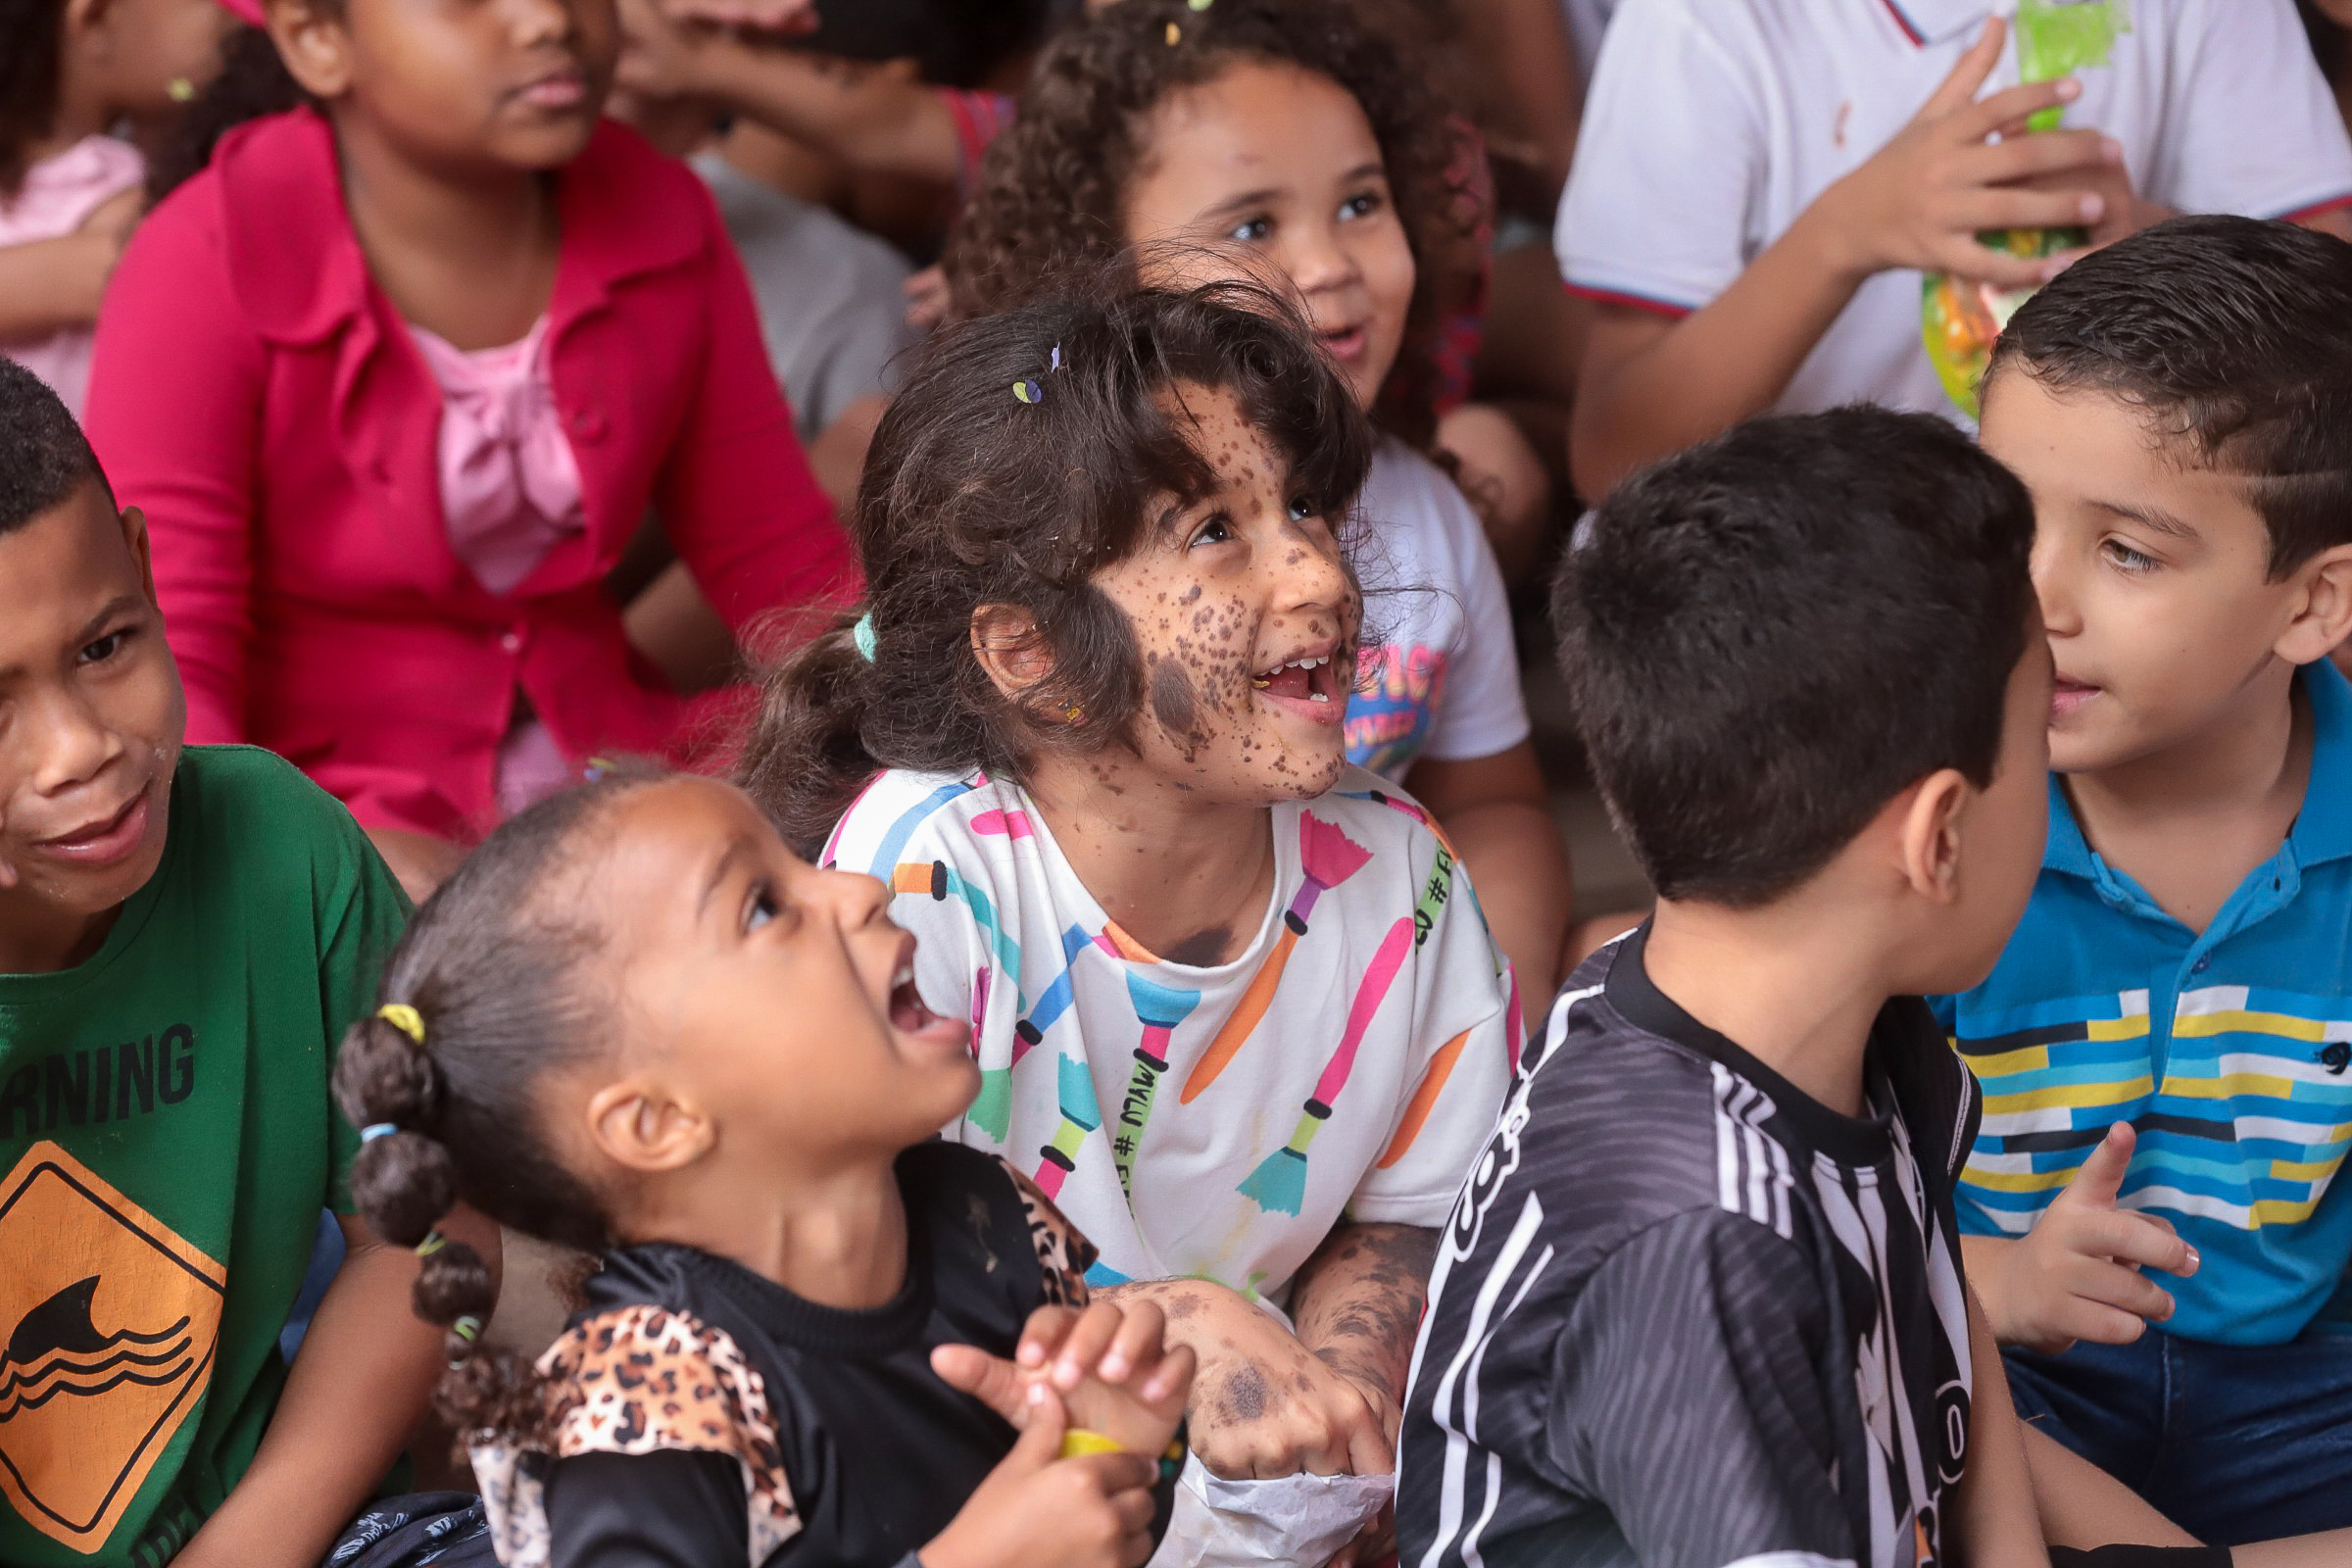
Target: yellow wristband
[{"x": 1078, "y": 1442}]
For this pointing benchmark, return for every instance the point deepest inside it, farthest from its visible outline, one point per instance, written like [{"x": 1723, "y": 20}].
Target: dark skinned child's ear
[
  {"x": 1928, "y": 835},
  {"x": 134, "y": 534},
  {"x": 641, "y": 1129},
  {"x": 1011, "y": 653},
  {"x": 314, "y": 45}
]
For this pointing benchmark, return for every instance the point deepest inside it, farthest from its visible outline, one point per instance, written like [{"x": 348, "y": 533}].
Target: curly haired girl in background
[
  {"x": 1297, "y": 141},
  {"x": 635, "y": 1023},
  {"x": 398, "y": 375},
  {"x": 1234, "y": 1005},
  {"x": 73, "y": 72}
]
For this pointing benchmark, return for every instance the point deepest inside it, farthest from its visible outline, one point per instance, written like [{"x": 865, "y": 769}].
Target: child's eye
[
  {"x": 759, "y": 908},
  {"x": 1360, "y": 205},
  {"x": 1303, "y": 508},
  {"x": 104, "y": 649},
  {"x": 2127, "y": 559},
  {"x": 1250, "y": 228},
  {"x": 1216, "y": 531}
]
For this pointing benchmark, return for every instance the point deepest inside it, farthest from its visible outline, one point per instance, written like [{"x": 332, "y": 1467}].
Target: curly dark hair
[
  {"x": 975, "y": 496},
  {"x": 1052, "y": 187},
  {"x": 29, "y": 82},
  {"x": 494, "y": 969}
]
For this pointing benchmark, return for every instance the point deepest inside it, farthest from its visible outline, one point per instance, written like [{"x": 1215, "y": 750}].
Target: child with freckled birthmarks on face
[
  {"x": 1234, "y": 1002},
  {"x": 1286, "y": 142}
]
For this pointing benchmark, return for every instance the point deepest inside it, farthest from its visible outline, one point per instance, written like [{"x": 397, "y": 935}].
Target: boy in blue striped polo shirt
[{"x": 2166, "y": 1045}]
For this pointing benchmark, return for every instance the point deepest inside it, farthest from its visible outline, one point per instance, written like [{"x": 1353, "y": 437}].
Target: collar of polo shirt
[{"x": 1926, "y": 21}]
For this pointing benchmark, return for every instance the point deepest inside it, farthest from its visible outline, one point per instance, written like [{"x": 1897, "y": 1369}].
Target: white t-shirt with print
[
  {"x": 1213, "y": 1122},
  {"x": 1712, "y": 123},
  {"x": 1440, "y": 674}
]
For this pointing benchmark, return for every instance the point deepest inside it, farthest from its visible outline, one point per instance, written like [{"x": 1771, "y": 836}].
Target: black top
[
  {"x": 1687, "y": 1316},
  {"x": 718, "y": 1419}
]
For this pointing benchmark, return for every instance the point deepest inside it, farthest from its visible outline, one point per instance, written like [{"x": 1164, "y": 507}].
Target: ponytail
[
  {"x": 253, "y": 81},
  {"x": 489, "y": 994}
]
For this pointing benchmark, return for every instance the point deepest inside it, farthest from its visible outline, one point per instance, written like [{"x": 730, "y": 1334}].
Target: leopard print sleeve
[
  {"x": 1063, "y": 1253},
  {"x": 640, "y": 1380}
]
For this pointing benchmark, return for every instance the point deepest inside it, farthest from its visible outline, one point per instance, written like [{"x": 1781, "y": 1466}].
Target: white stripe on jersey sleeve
[{"x": 1792, "y": 1559}]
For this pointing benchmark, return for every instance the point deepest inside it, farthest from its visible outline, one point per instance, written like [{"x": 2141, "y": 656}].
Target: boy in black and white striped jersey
[{"x": 1701, "y": 1301}]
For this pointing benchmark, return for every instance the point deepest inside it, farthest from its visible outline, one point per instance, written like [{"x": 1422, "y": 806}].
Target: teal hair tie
[
  {"x": 863, "y": 634},
  {"x": 374, "y": 1130}
]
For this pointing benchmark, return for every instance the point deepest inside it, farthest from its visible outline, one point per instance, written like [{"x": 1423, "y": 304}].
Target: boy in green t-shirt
[{"x": 184, "y": 935}]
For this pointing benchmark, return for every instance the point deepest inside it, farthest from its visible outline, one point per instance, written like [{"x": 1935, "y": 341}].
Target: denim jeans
[{"x": 2233, "y": 1443}]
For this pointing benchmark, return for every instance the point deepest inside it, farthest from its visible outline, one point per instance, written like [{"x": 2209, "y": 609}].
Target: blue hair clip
[
  {"x": 374, "y": 1130},
  {"x": 863, "y": 634}
]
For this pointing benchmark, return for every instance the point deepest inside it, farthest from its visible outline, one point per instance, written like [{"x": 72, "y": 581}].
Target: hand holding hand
[
  {"x": 1922, "y": 199},
  {"x": 1109, "y": 1367},
  {"x": 1037, "y": 1510},
  {"x": 2076, "y": 1275}
]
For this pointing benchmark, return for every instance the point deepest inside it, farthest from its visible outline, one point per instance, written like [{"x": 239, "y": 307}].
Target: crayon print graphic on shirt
[{"x": 1211, "y": 1120}]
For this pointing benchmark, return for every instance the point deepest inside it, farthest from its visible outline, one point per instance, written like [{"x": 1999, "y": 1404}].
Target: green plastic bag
[{"x": 1959, "y": 318}]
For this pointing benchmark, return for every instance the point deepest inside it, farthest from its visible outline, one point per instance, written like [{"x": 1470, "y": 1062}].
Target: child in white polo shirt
[{"x": 1757, "y": 187}]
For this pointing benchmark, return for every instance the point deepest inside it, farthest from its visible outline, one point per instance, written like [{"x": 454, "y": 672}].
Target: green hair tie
[{"x": 433, "y": 1242}]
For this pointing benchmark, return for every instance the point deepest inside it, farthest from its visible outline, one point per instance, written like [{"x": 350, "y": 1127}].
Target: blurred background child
[
  {"x": 398, "y": 375},
  {"x": 73, "y": 73}
]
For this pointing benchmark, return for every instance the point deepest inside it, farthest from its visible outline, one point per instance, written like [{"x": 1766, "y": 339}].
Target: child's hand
[
  {"x": 782, "y": 18},
  {"x": 1109, "y": 1366},
  {"x": 2076, "y": 1275},
  {"x": 1036, "y": 1510},
  {"x": 1921, "y": 200}
]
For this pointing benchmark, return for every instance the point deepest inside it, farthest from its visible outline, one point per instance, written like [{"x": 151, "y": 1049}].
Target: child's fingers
[
  {"x": 2101, "y": 1176},
  {"x": 1977, "y": 121},
  {"x": 1120, "y": 1477},
  {"x": 2010, "y": 206},
  {"x": 1136, "y": 1344},
  {"x": 1085, "y": 1343},
  {"x": 1044, "y": 1333},
  {"x": 1039, "y": 1442},
  {"x": 1172, "y": 1380},
  {"x": 991, "y": 1378},
  {"x": 2135, "y": 1238},
  {"x": 2113, "y": 1285},
  {"x": 1959, "y": 89},
  {"x": 2023, "y": 160}
]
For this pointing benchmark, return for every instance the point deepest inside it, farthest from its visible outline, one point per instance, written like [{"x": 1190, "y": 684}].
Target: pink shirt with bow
[{"x": 258, "y": 396}]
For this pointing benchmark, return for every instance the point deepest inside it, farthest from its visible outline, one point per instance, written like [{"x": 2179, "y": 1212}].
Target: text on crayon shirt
[{"x": 1209, "y": 1122}]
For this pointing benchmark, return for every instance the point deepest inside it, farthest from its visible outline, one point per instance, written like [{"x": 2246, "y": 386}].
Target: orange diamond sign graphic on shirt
[{"x": 108, "y": 1327}]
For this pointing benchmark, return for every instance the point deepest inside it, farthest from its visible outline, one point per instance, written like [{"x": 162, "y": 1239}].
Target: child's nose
[
  {"x": 1318, "y": 260},
  {"x": 856, "y": 899},
  {"x": 2054, "y": 586},
  {"x": 75, "y": 744}
]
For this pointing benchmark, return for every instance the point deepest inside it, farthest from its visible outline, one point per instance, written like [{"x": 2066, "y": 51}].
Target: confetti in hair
[
  {"x": 1028, "y": 391},
  {"x": 1175, "y": 35},
  {"x": 1200, "y": 5},
  {"x": 1056, "y": 364}
]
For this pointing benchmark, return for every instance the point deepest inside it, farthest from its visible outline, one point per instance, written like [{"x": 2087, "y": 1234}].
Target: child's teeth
[
  {"x": 1317, "y": 697},
  {"x": 1260, "y": 682}
]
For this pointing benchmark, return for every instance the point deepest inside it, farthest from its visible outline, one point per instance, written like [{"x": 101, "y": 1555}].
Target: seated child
[
  {"x": 635, "y": 1023},
  {"x": 2167, "y": 1021},
  {"x": 1289, "y": 137},
  {"x": 398, "y": 375},
  {"x": 1701, "y": 1302},
  {"x": 184, "y": 935},
  {"x": 68, "y": 189},
  {"x": 1232, "y": 1000},
  {"x": 1759, "y": 182}
]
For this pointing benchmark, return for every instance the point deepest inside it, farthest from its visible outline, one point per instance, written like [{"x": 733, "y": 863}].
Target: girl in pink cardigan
[{"x": 397, "y": 376}]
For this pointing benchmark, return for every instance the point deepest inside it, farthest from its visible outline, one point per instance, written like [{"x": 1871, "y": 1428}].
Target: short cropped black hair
[
  {"x": 2234, "y": 337},
  {"x": 44, "y": 456},
  {"x": 1770, "y": 636}
]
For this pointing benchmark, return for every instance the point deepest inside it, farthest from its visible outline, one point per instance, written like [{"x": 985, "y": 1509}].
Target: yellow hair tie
[
  {"x": 405, "y": 1019},
  {"x": 433, "y": 1242},
  {"x": 1078, "y": 1442}
]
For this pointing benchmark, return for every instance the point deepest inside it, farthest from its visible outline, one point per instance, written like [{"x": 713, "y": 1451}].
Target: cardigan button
[
  {"x": 511, "y": 642},
  {"x": 588, "y": 424}
]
